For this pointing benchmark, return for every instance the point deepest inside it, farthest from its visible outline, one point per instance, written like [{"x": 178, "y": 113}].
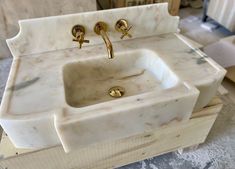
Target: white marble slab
[
  {"x": 54, "y": 33},
  {"x": 34, "y": 111}
]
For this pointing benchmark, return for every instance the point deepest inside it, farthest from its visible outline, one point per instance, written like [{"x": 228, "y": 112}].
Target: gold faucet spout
[
  {"x": 101, "y": 29},
  {"x": 108, "y": 44}
]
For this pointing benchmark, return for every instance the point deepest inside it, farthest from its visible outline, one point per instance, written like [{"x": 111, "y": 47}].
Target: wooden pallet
[{"x": 116, "y": 153}]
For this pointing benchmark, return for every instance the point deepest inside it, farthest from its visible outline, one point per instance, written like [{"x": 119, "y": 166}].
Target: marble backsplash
[{"x": 54, "y": 33}]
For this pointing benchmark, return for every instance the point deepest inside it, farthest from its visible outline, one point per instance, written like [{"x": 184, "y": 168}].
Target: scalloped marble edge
[{"x": 54, "y": 33}]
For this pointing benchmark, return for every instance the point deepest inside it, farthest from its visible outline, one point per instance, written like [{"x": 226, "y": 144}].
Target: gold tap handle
[
  {"x": 123, "y": 27},
  {"x": 78, "y": 32},
  {"x": 81, "y": 39},
  {"x": 81, "y": 42},
  {"x": 125, "y": 32}
]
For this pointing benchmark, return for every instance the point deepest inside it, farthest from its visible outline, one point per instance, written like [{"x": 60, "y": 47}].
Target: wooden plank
[
  {"x": 118, "y": 3},
  {"x": 231, "y": 73},
  {"x": 175, "y": 6},
  {"x": 121, "y": 152},
  {"x": 222, "y": 90},
  {"x": 208, "y": 110},
  {"x": 7, "y": 149}
]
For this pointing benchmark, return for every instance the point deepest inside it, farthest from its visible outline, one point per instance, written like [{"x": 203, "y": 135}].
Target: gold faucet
[
  {"x": 78, "y": 31},
  {"x": 101, "y": 29}
]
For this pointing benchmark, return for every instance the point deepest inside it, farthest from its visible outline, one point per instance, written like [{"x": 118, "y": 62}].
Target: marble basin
[
  {"x": 138, "y": 72},
  {"x": 154, "y": 96}
]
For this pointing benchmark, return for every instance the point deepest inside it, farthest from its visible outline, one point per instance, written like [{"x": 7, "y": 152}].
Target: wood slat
[{"x": 231, "y": 73}]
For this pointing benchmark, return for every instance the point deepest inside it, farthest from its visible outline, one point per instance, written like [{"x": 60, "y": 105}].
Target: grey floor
[{"x": 218, "y": 152}]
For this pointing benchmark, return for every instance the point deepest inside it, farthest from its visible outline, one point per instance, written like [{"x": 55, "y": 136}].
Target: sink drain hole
[{"x": 116, "y": 91}]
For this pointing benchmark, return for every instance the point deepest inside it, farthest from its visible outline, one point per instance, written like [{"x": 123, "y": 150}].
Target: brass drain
[{"x": 116, "y": 91}]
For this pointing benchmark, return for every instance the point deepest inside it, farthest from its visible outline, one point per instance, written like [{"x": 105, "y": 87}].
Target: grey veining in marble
[{"x": 5, "y": 65}]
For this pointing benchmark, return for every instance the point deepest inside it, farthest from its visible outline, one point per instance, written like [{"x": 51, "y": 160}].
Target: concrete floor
[{"x": 218, "y": 152}]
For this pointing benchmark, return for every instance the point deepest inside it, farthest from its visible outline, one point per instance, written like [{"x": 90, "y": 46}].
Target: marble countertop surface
[{"x": 40, "y": 75}]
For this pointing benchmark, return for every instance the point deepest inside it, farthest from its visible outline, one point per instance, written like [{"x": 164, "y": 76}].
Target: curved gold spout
[
  {"x": 101, "y": 29},
  {"x": 108, "y": 44}
]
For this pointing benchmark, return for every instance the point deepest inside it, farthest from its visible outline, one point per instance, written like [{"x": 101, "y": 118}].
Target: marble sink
[
  {"x": 154, "y": 96},
  {"x": 139, "y": 71},
  {"x": 57, "y": 94}
]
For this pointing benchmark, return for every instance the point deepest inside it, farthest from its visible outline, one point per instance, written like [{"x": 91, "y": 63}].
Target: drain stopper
[{"x": 116, "y": 91}]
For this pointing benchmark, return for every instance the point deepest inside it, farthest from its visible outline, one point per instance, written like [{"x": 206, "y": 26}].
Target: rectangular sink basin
[
  {"x": 87, "y": 83},
  {"x": 154, "y": 96}
]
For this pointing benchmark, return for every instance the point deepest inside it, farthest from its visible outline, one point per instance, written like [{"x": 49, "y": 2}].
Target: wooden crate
[
  {"x": 116, "y": 153},
  {"x": 173, "y": 4}
]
